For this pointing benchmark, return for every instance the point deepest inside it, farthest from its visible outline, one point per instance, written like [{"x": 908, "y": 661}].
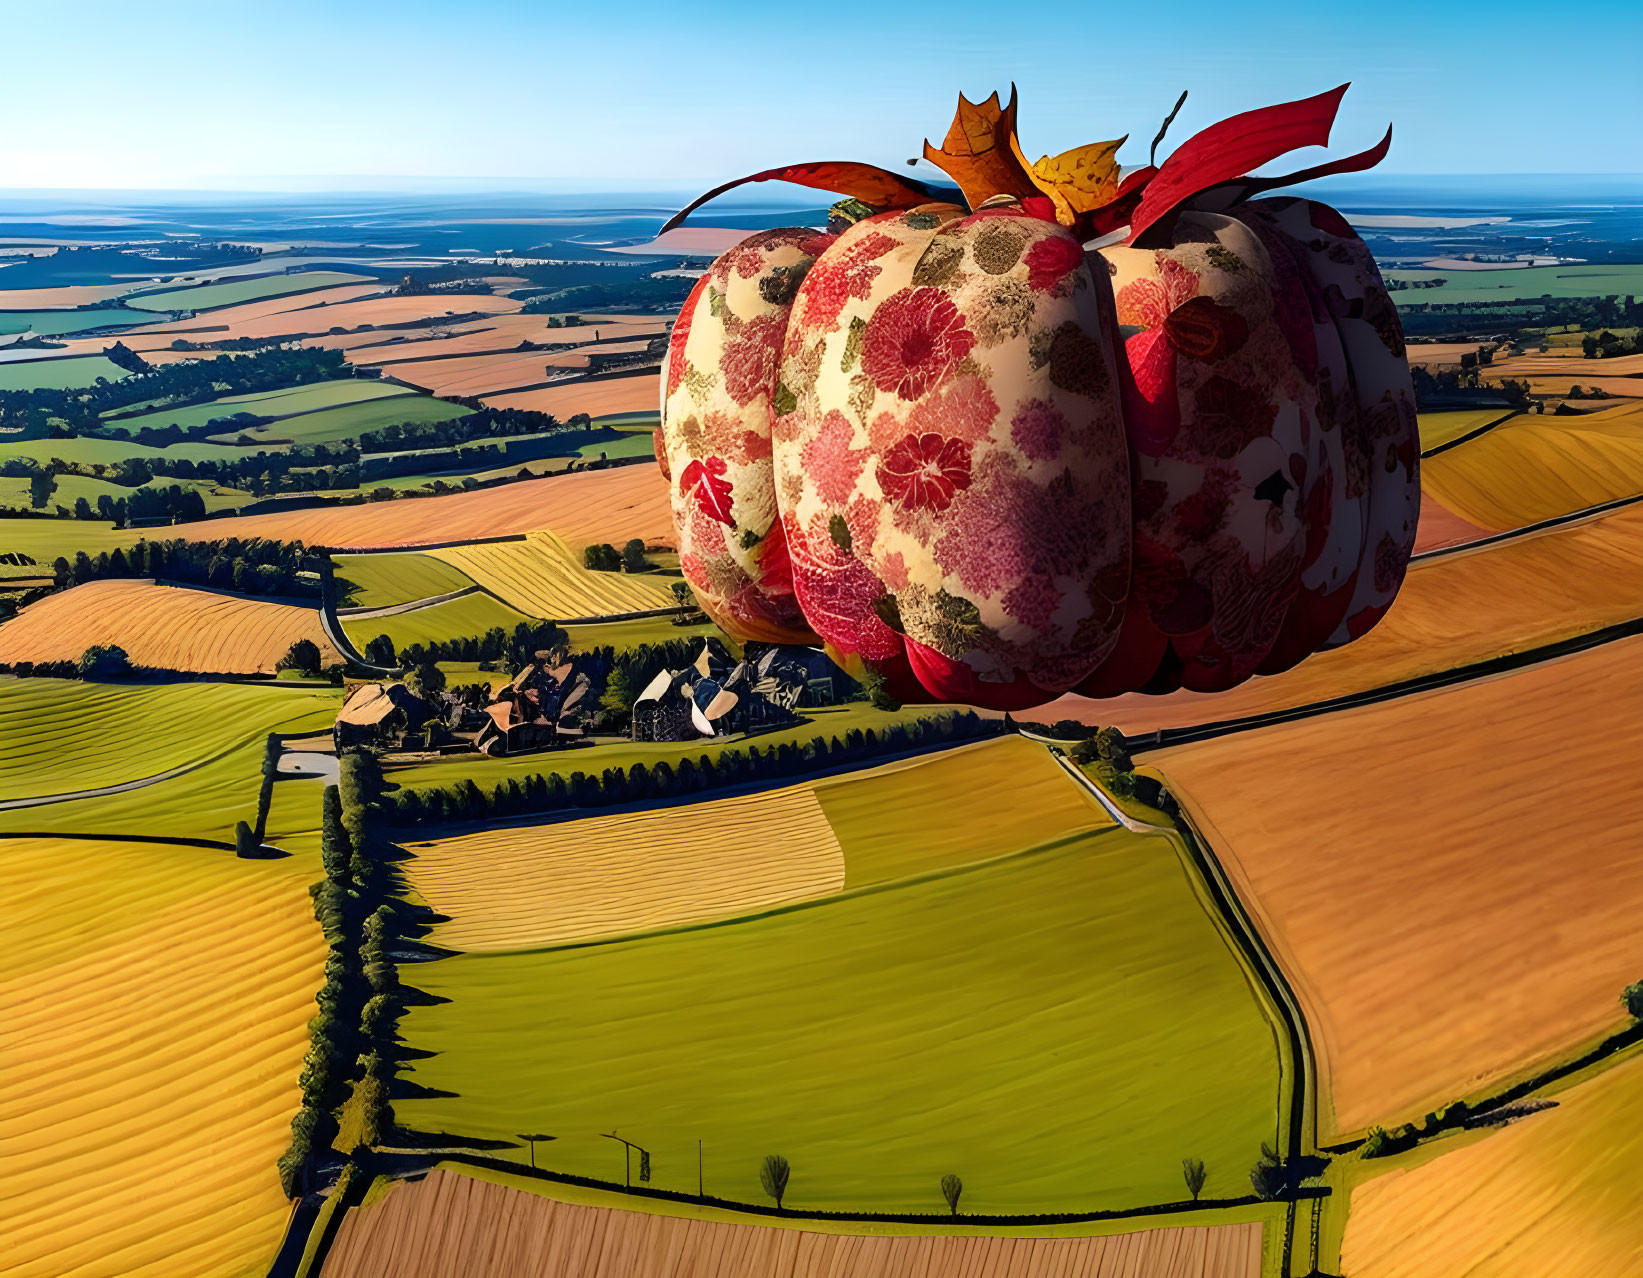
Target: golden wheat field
[
  {"x": 1554, "y": 1193},
  {"x": 1437, "y": 429},
  {"x": 542, "y": 576},
  {"x": 1439, "y": 528},
  {"x": 61, "y": 297},
  {"x": 1416, "y": 865},
  {"x": 631, "y": 394},
  {"x": 1535, "y": 468},
  {"x": 473, "y": 374},
  {"x": 162, "y": 627},
  {"x": 530, "y": 886},
  {"x": 451, "y": 1226},
  {"x": 589, "y": 506},
  {"x": 1453, "y": 610},
  {"x": 226, "y": 322},
  {"x": 322, "y": 313},
  {"x": 155, "y": 999},
  {"x": 1567, "y": 363}
]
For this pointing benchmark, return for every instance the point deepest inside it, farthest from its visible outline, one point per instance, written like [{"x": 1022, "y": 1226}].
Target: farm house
[
  {"x": 374, "y": 711},
  {"x": 719, "y": 696},
  {"x": 543, "y": 706}
]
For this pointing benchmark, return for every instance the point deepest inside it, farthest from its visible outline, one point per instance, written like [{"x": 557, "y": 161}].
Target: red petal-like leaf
[
  {"x": 865, "y": 182},
  {"x": 706, "y": 481},
  {"x": 1329, "y": 168},
  {"x": 1231, "y": 149}
]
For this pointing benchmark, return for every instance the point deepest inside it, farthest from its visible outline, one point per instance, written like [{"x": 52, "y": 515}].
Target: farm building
[
  {"x": 374, "y": 712},
  {"x": 543, "y": 706},
  {"x": 717, "y": 695}
]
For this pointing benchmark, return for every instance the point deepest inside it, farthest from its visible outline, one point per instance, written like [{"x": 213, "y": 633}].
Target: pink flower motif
[
  {"x": 1037, "y": 429},
  {"x": 1148, "y": 302},
  {"x": 837, "y": 592},
  {"x": 837, "y": 277},
  {"x": 1049, "y": 260},
  {"x": 1033, "y": 601},
  {"x": 831, "y": 463},
  {"x": 913, "y": 341},
  {"x": 749, "y": 359},
  {"x": 963, "y": 409},
  {"x": 922, "y": 472}
]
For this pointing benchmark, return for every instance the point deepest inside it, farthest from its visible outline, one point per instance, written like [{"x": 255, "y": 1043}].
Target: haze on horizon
[{"x": 304, "y": 96}]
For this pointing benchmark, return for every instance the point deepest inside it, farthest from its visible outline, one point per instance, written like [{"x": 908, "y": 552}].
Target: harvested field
[
  {"x": 162, "y": 627},
  {"x": 1553, "y": 1193},
  {"x": 1452, "y": 611},
  {"x": 501, "y": 334},
  {"x": 590, "y": 506},
  {"x": 1554, "y": 386},
  {"x": 1439, "y": 527},
  {"x": 1568, "y": 365},
  {"x": 530, "y": 886},
  {"x": 1444, "y": 354},
  {"x": 205, "y": 297},
  {"x": 155, "y": 1000},
  {"x": 370, "y": 307},
  {"x": 542, "y": 576},
  {"x": 61, "y": 297},
  {"x": 1437, "y": 429},
  {"x": 452, "y": 1224},
  {"x": 603, "y": 395},
  {"x": 1408, "y": 863},
  {"x": 1535, "y": 468},
  {"x": 223, "y": 323}
]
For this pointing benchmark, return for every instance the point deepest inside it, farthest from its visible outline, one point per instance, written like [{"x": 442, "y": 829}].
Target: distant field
[
  {"x": 53, "y": 323},
  {"x": 91, "y": 450},
  {"x": 349, "y": 421},
  {"x": 1529, "y": 282},
  {"x": 433, "y": 1228},
  {"x": 637, "y": 444},
  {"x": 1452, "y": 611},
  {"x": 1416, "y": 868},
  {"x": 1442, "y": 428},
  {"x": 229, "y": 321},
  {"x": 605, "y": 395},
  {"x": 209, "y": 296},
  {"x": 163, "y": 627},
  {"x": 15, "y": 492},
  {"x": 455, "y": 619},
  {"x": 1554, "y": 1193},
  {"x": 31, "y": 299},
  {"x": 151, "y": 1063},
  {"x": 346, "y": 313},
  {"x": 542, "y": 576},
  {"x": 1535, "y": 468},
  {"x": 275, "y": 403},
  {"x": 603, "y": 505},
  {"x": 625, "y": 634},
  {"x": 59, "y": 374},
  {"x": 396, "y": 578},
  {"x": 45, "y": 539}
]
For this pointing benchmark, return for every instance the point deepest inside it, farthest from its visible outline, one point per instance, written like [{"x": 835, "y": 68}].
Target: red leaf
[
  {"x": 866, "y": 182},
  {"x": 1231, "y": 149},
  {"x": 711, "y": 488}
]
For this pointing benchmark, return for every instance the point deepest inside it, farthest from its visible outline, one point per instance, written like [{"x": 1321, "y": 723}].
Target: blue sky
[{"x": 247, "y": 93}]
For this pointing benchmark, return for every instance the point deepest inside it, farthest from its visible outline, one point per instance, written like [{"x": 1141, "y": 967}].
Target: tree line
[
  {"x": 252, "y": 566},
  {"x": 484, "y": 423},
  {"x": 545, "y": 793}
]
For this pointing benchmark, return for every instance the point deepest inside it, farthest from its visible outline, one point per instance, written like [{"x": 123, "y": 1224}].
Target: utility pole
[{"x": 699, "y": 1193}]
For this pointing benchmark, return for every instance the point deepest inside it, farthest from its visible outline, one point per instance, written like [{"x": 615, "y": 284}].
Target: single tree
[
  {"x": 633, "y": 556},
  {"x": 425, "y": 679},
  {"x": 1192, "y": 1171},
  {"x": 1633, "y": 999},
  {"x": 773, "y": 1174},
  {"x": 951, "y": 1188},
  {"x": 303, "y": 655}
]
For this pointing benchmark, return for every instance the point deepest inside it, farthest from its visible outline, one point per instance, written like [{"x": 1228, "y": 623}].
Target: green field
[
  {"x": 56, "y": 323},
  {"x": 1059, "y": 1027},
  {"x": 349, "y": 421},
  {"x": 89, "y": 450},
  {"x": 629, "y": 634},
  {"x": 637, "y": 444},
  {"x": 14, "y": 492},
  {"x": 209, "y": 296},
  {"x": 274, "y": 403},
  {"x": 455, "y": 619},
  {"x": 58, "y": 374},
  {"x": 45, "y": 539},
  {"x": 396, "y": 578},
  {"x": 61, "y": 736},
  {"x": 1529, "y": 282}
]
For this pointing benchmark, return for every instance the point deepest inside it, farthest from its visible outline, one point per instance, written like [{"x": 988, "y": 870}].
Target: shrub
[
  {"x": 1632, "y": 997},
  {"x": 773, "y": 1174},
  {"x": 951, "y": 1188}
]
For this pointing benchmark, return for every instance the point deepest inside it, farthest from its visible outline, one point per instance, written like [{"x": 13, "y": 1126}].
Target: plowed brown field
[
  {"x": 1452, "y": 881},
  {"x": 452, "y": 1226},
  {"x": 596, "y": 398},
  {"x": 589, "y": 506},
  {"x": 164, "y": 627},
  {"x": 1452, "y": 611}
]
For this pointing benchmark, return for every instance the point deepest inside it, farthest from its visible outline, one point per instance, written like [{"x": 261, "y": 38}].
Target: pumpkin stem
[{"x": 1152, "y": 155}]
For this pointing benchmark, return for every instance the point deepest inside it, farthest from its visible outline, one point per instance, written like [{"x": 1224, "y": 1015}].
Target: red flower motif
[
  {"x": 1202, "y": 329},
  {"x": 923, "y": 472},
  {"x": 1148, "y": 302},
  {"x": 681, "y": 334},
  {"x": 706, "y": 481},
  {"x": 1049, "y": 260},
  {"x": 963, "y": 409},
  {"x": 750, "y": 358},
  {"x": 913, "y": 341},
  {"x": 832, "y": 465},
  {"x": 835, "y": 279}
]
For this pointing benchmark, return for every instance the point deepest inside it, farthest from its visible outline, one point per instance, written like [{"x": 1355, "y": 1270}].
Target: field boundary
[
  {"x": 1529, "y": 530},
  {"x": 1470, "y": 435}
]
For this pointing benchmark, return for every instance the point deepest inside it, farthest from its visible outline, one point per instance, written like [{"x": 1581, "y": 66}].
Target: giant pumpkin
[{"x": 992, "y": 462}]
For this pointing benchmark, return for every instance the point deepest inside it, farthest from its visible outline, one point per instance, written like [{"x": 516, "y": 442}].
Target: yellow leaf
[
  {"x": 1080, "y": 180},
  {"x": 981, "y": 154}
]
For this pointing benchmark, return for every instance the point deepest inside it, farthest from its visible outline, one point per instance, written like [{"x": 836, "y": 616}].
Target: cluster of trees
[
  {"x": 1398, "y": 286},
  {"x": 555, "y": 792},
  {"x": 97, "y": 662},
  {"x": 646, "y": 293},
  {"x": 486, "y": 423},
  {"x": 1606, "y": 345},
  {"x": 79, "y": 410},
  {"x": 1448, "y": 382},
  {"x": 253, "y": 566},
  {"x": 351, "y": 1039},
  {"x": 1275, "y": 1179},
  {"x": 606, "y": 558},
  {"x": 496, "y": 644},
  {"x": 301, "y": 468},
  {"x": 1546, "y": 311},
  {"x": 424, "y": 283}
]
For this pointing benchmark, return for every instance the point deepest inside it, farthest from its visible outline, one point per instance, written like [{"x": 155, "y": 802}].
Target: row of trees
[
  {"x": 485, "y": 423},
  {"x": 606, "y": 558},
  {"x": 255, "y": 566},
  {"x": 542, "y": 793},
  {"x": 496, "y": 644}
]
